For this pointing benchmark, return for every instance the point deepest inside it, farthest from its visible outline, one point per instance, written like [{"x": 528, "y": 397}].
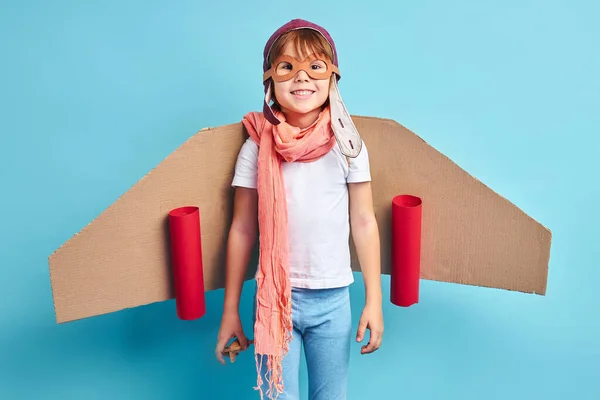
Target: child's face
[{"x": 301, "y": 94}]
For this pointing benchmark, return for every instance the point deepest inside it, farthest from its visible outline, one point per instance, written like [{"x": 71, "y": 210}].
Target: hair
[{"x": 306, "y": 41}]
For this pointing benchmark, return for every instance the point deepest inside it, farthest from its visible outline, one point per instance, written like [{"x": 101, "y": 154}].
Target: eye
[
  {"x": 318, "y": 65},
  {"x": 284, "y": 65}
]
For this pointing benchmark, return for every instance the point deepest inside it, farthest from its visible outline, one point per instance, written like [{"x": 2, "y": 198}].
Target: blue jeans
[{"x": 322, "y": 325}]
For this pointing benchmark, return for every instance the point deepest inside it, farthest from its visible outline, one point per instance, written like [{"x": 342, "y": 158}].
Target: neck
[{"x": 302, "y": 120}]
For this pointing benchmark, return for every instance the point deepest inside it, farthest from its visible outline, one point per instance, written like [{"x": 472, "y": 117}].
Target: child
[{"x": 302, "y": 180}]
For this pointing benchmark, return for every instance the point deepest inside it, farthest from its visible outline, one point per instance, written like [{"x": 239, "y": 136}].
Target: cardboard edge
[
  {"x": 145, "y": 176},
  {"x": 393, "y": 122}
]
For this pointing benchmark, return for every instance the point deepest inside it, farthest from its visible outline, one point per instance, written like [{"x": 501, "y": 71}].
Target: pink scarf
[{"x": 278, "y": 143}]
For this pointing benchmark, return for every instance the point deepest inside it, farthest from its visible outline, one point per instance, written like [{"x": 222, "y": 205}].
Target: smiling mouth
[{"x": 302, "y": 92}]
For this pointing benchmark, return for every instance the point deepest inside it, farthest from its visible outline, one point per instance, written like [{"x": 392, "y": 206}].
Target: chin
[{"x": 304, "y": 109}]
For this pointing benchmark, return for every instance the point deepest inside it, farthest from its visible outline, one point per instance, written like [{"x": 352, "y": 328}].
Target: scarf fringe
[{"x": 274, "y": 377}]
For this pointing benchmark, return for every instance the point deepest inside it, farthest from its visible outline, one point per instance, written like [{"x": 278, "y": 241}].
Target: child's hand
[
  {"x": 231, "y": 327},
  {"x": 371, "y": 318}
]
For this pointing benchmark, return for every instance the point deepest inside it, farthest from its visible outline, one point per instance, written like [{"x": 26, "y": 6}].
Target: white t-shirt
[{"x": 318, "y": 212}]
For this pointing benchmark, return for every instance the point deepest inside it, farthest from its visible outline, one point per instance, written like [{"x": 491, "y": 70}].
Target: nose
[{"x": 301, "y": 76}]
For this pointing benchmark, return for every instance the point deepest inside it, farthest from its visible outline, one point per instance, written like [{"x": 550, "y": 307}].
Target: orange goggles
[{"x": 286, "y": 67}]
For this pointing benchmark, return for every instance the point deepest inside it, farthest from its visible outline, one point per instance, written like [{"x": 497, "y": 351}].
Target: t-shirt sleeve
[
  {"x": 246, "y": 166},
  {"x": 359, "y": 169}
]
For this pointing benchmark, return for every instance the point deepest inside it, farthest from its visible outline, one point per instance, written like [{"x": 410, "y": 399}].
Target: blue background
[{"x": 94, "y": 94}]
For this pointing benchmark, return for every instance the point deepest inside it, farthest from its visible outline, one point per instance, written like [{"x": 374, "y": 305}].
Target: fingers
[
  {"x": 239, "y": 335},
  {"x": 362, "y": 327},
  {"x": 374, "y": 343},
  {"x": 219, "y": 349},
  {"x": 231, "y": 328}
]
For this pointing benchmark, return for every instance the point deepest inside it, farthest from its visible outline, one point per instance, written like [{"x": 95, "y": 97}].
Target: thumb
[
  {"x": 362, "y": 326},
  {"x": 242, "y": 338}
]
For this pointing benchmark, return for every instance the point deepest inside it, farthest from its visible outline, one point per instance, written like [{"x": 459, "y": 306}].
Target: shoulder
[
  {"x": 359, "y": 169},
  {"x": 249, "y": 149},
  {"x": 361, "y": 160},
  {"x": 253, "y": 114},
  {"x": 246, "y": 167},
  {"x": 254, "y": 123}
]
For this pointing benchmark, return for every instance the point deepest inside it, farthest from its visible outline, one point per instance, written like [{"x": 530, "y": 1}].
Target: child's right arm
[{"x": 240, "y": 243}]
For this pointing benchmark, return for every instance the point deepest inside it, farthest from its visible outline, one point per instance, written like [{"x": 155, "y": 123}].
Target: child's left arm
[{"x": 365, "y": 234}]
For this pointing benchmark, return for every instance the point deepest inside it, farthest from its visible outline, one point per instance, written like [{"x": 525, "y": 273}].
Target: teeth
[{"x": 302, "y": 92}]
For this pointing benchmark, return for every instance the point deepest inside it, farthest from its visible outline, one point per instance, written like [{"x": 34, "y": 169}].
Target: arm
[
  {"x": 240, "y": 243},
  {"x": 365, "y": 233}
]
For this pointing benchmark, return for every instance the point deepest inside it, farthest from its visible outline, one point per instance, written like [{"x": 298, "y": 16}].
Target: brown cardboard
[{"x": 471, "y": 235}]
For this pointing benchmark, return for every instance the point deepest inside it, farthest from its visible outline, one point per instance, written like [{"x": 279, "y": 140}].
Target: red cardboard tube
[
  {"x": 186, "y": 256},
  {"x": 406, "y": 250}
]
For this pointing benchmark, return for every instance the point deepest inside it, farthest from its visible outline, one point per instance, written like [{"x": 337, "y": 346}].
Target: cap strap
[{"x": 346, "y": 134}]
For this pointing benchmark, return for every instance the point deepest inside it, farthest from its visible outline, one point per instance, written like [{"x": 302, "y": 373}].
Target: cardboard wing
[{"x": 470, "y": 234}]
